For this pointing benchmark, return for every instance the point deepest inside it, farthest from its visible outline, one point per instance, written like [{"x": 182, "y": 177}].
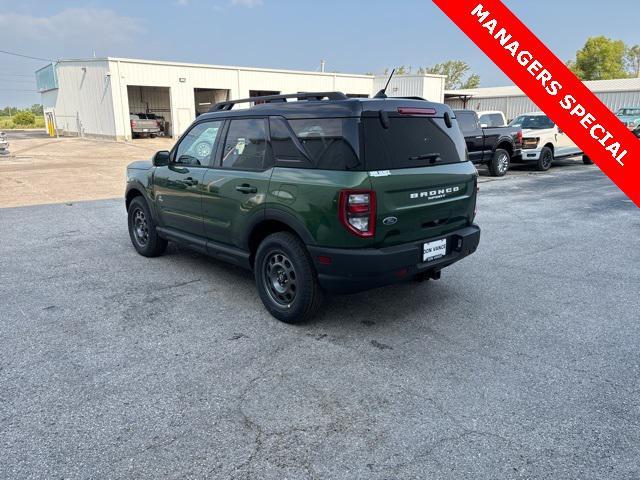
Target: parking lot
[{"x": 521, "y": 362}]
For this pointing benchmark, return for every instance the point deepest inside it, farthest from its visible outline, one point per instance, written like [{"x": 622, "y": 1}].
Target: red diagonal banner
[{"x": 552, "y": 86}]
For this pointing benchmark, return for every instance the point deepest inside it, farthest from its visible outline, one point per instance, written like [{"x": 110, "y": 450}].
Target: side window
[
  {"x": 197, "y": 146},
  {"x": 330, "y": 142},
  {"x": 246, "y": 144},
  {"x": 285, "y": 150},
  {"x": 467, "y": 122}
]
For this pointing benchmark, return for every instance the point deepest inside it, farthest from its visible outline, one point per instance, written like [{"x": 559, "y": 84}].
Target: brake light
[
  {"x": 519, "y": 136},
  {"x": 416, "y": 111},
  {"x": 133, "y": 123},
  {"x": 357, "y": 212}
]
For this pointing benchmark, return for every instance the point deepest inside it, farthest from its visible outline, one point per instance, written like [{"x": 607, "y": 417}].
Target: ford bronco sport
[{"x": 322, "y": 193}]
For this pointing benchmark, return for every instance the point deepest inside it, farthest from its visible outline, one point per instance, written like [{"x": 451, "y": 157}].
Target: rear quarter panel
[{"x": 311, "y": 197}]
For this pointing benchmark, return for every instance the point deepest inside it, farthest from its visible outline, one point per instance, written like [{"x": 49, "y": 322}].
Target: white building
[
  {"x": 513, "y": 102},
  {"x": 95, "y": 97}
]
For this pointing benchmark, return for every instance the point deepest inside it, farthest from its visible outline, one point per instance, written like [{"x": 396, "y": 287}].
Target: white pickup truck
[{"x": 543, "y": 142}]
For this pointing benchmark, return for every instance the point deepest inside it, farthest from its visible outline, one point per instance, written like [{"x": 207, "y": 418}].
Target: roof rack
[{"x": 228, "y": 105}]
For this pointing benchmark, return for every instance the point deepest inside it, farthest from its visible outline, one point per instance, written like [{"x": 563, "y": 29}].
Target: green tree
[
  {"x": 37, "y": 109},
  {"x": 600, "y": 59},
  {"x": 633, "y": 60},
  {"x": 24, "y": 117},
  {"x": 457, "y": 74}
]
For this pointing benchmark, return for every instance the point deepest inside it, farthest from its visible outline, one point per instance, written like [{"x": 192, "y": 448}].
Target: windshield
[
  {"x": 534, "y": 122},
  {"x": 628, "y": 112}
]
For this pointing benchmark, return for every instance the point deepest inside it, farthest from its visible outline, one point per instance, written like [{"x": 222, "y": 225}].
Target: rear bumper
[{"x": 354, "y": 270}]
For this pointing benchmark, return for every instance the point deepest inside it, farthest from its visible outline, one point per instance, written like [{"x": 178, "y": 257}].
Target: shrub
[{"x": 24, "y": 118}]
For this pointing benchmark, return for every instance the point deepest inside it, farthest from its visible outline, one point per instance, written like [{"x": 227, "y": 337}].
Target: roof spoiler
[{"x": 228, "y": 105}]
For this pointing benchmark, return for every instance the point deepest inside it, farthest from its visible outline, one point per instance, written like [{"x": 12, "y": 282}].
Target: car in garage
[
  {"x": 313, "y": 192},
  {"x": 143, "y": 126},
  {"x": 543, "y": 141}
]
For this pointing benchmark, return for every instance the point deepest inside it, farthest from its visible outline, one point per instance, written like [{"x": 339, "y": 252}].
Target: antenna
[{"x": 383, "y": 93}]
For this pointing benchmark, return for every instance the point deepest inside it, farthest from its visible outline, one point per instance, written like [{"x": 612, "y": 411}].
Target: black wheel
[
  {"x": 586, "y": 160},
  {"x": 286, "y": 279},
  {"x": 142, "y": 230},
  {"x": 545, "y": 160},
  {"x": 499, "y": 164}
]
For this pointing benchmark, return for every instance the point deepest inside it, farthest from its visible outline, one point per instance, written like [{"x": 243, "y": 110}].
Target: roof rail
[{"x": 228, "y": 105}]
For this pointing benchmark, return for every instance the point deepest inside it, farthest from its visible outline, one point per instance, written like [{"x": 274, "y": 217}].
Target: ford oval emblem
[{"x": 390, "y": 221}]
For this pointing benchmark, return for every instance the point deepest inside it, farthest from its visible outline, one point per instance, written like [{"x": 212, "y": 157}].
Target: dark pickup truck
[{"x": 494, "y": 146}]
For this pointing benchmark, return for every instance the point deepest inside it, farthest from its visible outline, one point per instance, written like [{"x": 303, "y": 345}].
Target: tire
[
  {"x": 586, "y": 160},
  {"x": 286, "y": 279},
  {"x": 499, "y": 164},
  {"x": 142, "y": 229},
  {"x": 545, "y": 160}
]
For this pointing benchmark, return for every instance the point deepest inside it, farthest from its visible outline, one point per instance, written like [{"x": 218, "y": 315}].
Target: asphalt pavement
[{"x": 521, "y": 362}]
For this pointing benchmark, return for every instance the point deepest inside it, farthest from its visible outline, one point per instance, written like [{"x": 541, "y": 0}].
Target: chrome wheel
[
  {"x": 140, "y": 227},
  {"x": 503, "y": 163},
  {"x": 280, "y": 278}
]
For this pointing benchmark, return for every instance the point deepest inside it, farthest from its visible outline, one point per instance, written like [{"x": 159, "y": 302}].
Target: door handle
[
  {"x": 190, "y": 181},
  {"x": 244, "y": 188}
]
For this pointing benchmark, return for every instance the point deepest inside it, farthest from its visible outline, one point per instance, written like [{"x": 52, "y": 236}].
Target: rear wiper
[{"x": 434, "y": 157}]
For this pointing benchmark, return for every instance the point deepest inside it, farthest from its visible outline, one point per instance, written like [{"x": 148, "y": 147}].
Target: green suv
[{"x": 313, "y": 192}]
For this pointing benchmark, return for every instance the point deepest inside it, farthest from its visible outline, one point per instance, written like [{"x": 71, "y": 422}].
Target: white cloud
[
  {"x": 246, "y": 3},
  {"x": 70, "y": 32}
]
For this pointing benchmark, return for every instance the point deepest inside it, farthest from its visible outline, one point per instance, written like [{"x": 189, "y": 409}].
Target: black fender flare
[
  {"x": 138, "y": 187},
  {"x": 281, "y": 216}
]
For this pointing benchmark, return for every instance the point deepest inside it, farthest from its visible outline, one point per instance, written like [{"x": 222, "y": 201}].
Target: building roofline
[
  {"x": 219, "y": 67},
  {"x": 235, "y": 67}
]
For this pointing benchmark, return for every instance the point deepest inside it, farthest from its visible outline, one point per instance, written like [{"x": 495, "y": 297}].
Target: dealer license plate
[
  {"x": 434, "y": 250},
  {"x": 145, "y": 129}
]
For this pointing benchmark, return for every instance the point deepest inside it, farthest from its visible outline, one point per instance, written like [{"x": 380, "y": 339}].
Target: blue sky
[{"x": 353, "y": 36}]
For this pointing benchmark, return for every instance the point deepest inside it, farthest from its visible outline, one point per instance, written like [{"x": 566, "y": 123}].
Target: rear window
[
  {"x": 411, "y": 142},
  {"x": 492, "y": 120},
  {"x": 467, "y": 121}
]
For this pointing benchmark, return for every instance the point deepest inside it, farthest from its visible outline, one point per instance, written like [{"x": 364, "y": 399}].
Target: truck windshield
[
  {"x": 533, "y": 122},
  {"x": 411, "y": 142}
]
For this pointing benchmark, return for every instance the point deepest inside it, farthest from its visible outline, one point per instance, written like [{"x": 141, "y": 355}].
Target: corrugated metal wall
[
  {"x": 514, "y": 106},
  {"x": 83, "y": 103}
]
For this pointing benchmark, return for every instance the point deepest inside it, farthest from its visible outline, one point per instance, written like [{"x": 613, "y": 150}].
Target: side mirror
[{"x": 161, "y": 158}]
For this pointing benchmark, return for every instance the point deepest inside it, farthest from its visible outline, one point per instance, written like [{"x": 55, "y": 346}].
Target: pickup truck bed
[{"x": 494, "y": 146}]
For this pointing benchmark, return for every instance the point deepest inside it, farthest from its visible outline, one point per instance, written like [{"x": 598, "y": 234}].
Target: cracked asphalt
[{"x": 522, "y": 362}]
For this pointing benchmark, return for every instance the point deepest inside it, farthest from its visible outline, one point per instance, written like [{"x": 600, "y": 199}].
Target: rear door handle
[
  {"x": 244, "y": 188},
  {"x": 190, "y": 181}
]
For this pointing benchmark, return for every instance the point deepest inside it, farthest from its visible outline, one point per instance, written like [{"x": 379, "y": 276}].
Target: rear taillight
[
  {"x": 133, "y": 123},
  {"x": 357, "y": 212},
  {"x": 416, "y": 111},
  {"x": 519, "y": 136}
]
